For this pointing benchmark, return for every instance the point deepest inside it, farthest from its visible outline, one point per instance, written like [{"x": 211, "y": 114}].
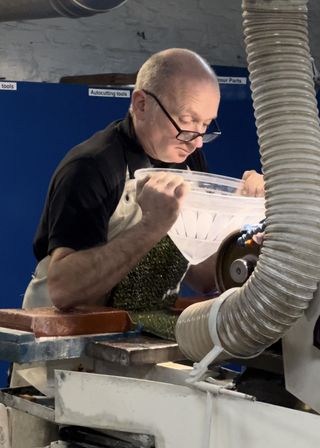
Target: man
[{"x": 95, "y": 243}]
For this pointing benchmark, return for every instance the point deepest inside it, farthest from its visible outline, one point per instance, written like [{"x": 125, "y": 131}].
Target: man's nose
[{"x": 198, "y": 142}]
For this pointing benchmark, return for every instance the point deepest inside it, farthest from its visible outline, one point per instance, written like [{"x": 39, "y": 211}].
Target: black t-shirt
[{"x": 87, "y": 185}]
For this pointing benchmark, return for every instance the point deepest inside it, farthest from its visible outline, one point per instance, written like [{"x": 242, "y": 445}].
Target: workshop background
[
  {"x": 40, "y": 122},
  {"x": 120, "y": 40}
]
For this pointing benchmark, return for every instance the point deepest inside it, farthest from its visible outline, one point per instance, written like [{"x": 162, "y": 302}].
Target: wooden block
[
  {"x": 48, "y": 321},
  {"x": 101, "y": 79},
  {"x": 183, "y": 302}
]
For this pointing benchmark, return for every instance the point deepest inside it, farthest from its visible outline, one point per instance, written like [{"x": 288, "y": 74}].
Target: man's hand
[
  {"x": 258, "y": 238},
  {"x": 253, "y": 184},
  {"x": 160, "y": 196}
]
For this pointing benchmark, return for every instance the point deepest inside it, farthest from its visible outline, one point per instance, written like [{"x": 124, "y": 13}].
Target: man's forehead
[
  {"x": 186, "y": 83},
  {"x": 198, "y": 115},
  {"x": 183, "y": 88},
  {"x": 196, "y": 100}
]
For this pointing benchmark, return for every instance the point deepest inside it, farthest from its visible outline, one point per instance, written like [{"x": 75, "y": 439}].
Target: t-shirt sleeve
[{"x": 80, "y": 205}]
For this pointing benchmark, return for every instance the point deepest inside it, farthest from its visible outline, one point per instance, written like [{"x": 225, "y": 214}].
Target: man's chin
[
  {"x": 182, "y": 156},
  {"x": 180, "y": 159},
  {"x": 179, "y": 156}
]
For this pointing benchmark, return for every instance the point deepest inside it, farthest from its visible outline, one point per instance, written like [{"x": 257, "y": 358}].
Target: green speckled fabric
[
  {"x": 160, "y": 323},
  {"x": 151, "y": 288}
]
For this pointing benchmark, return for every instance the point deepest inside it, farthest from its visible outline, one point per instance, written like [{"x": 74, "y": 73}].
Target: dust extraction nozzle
[{"x": 45, "y": 9}]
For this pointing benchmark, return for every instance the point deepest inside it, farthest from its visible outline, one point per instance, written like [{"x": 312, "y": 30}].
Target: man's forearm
[
  {"x": 83, "y": 277},
  {"x": 201, "y": 276}
]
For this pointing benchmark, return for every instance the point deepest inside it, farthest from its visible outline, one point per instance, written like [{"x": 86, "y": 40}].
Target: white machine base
[{"x": 179, "y": 416}]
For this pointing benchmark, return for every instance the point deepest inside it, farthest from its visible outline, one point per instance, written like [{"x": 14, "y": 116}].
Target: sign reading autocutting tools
[{"x": 109, "y": 93}]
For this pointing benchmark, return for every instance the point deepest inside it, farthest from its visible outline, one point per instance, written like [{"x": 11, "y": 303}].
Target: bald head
[
  {"x": 173, "y": 67},
  {"x": 176, "y": 91}
]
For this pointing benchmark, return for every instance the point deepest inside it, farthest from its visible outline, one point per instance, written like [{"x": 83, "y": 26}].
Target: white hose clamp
[
  {"x": 212, "y": 319},
  {"x": 200, "y": 368},
  {"x": 212, "y": 324}
]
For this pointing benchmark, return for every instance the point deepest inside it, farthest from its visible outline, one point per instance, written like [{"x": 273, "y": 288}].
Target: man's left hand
[{"x": 253, "y": 183}]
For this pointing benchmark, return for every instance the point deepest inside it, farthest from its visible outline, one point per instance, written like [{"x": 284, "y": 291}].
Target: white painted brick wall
[{"x": 119, "y": 41}]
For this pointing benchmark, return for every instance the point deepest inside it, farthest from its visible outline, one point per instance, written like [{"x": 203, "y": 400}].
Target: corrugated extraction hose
[
  {"x": 41, "y": 9},
  {"x": 282, "y": 286},
  {"x": 82, "y": 8}
]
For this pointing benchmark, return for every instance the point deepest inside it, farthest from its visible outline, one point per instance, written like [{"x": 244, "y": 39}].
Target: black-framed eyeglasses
[{"x": 183, "y": 134}]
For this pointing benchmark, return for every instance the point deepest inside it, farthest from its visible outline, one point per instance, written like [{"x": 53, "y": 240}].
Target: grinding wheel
[{"x": 234, "y": 263}]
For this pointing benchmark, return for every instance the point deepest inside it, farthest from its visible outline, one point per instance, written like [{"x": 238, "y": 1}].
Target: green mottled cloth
[
  {"x": 153, "y": 286},
  {"x": 160, "y": 323}
]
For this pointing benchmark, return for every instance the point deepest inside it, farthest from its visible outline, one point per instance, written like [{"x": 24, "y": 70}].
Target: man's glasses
[{"x": 187, "y": 136}]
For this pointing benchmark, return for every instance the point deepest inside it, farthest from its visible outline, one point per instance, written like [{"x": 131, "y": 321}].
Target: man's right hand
[{"x": 160, "y": 196}]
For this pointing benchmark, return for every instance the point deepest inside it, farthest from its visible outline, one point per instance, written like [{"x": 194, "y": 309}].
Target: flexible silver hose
[
  {"x": 286, "y": 276},
  {"x": 40, "y": 9}
]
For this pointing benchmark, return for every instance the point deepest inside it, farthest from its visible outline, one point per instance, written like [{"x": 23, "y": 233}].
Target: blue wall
[{"x": 237, "y": 149}]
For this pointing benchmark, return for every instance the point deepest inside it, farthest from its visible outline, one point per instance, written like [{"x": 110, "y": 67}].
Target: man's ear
[{"x": 138, "y": 104}]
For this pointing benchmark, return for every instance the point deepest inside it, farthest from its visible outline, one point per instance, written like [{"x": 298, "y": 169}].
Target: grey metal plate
[
  {"x": 135, "y": 351},
  {"x": 28, "y": 399},
  {"x": 24, "y": 347}
]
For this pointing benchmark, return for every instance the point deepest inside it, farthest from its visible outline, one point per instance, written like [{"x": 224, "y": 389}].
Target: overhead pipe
[
  {"x": 245, "y": 321},
  {"x": 15, "y": 10}
]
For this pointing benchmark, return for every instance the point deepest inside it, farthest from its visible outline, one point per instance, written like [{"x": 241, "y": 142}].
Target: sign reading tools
[
  {"x": 6, "y": 85},
  {"x": 109, "y": 93}
]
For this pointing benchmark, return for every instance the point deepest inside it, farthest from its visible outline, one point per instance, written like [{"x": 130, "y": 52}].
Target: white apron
[{"x": 126, "y": 215}]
